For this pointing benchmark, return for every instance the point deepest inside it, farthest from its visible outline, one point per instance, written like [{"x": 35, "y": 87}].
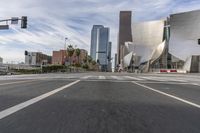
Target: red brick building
[{"x": 61, "y": 57}]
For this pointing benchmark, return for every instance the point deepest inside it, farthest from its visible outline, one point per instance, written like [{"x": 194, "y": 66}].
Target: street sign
[
  {"x": 14, "y": 20},
  {"x": 4, "y": 27}
]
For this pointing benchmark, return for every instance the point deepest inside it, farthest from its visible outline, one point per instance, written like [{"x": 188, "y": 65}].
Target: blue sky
[{"x": 50, "y": 21}]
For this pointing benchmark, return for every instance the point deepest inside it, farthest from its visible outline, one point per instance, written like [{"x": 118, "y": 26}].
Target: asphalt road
[{"x": 100, "y": 103}]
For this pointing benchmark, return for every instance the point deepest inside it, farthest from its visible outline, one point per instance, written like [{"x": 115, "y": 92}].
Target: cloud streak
[{"x": 50, "y": 21}]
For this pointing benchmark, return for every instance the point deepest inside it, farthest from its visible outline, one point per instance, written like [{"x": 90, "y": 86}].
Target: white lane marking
[
  {"x": 153, "y": 78},
  {"x": 23, "y": 105},
  {"x": 17, "y": 82},
  {"x": 116, "y": 77},
  {"x": 195, "y": 84},
  {"x": 168, "y": 95},
  {"x": 116, "y": 81},
  {"x": 102, "y": 77},
  {"x": 134, "y": 78},
  {"x": 164, "y": 79},
  {"x": 86, "y": 77},
  {"x": 161, "y": 82}
]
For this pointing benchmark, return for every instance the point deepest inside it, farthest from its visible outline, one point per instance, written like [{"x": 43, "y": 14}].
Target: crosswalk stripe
[
  {"x": 134, "y": 78},
  {"x": 86, "y": 77},
  {"x": 153, "y": 78},
  {"x": 163, "y": 79},
  {"x": 116, "y": 77},
  {"x": 102, "y": 77}
]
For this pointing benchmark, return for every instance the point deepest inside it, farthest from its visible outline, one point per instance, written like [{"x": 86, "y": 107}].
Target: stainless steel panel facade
[
  {"x": 185, "y": 32},
  {"x": 147, "y": 36}
]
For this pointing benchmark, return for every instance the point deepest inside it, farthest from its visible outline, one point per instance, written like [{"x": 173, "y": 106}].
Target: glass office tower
[
  {"x": 99, "y": 45},
  {"x": 94, "y": 40}
]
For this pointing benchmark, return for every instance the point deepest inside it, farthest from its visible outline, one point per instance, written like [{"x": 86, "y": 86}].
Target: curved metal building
[
  {"x": 148, "y": 43},
  {"x": 184, "y": 41},
  {"x": 147, "y": 36},
  {"x": 173, "y": 43}
]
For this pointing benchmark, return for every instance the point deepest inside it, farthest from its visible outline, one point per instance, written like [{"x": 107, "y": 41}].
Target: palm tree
[
  {"x": 70, "y": 52},
  {"x": 78, "y": 52},
  {"x": 89, "y": 59}
]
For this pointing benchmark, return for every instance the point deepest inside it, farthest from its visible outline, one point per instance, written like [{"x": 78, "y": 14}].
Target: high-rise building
[
  {"x": 102, "y": 47},
  {"x": 99, "y": 45},
  {"x": 125, "y": 33},
  {"x": 109, "y": 56},
  {"x": 94, "y": 41},
  {"x": 1, "y": 60},
  {"x": 116, "y": 63},
  {"x": 109, "y": 51}
]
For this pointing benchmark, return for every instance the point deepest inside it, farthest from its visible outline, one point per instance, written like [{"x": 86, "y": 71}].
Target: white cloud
[{"x": 50, "y": 21}]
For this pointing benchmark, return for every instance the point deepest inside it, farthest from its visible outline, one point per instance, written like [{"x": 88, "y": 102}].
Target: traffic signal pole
[{"x": 14, "y": 21}]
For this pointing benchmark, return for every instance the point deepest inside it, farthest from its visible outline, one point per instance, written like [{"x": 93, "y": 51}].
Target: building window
[{"x": 199, "y": 41}]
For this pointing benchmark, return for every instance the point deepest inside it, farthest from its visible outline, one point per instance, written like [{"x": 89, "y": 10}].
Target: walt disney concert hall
[{"x": 171, "y": 44}]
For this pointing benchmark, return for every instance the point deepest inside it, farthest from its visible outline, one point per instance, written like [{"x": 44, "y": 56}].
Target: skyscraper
[
  {"x": 94, "y": 38},
  {"x": 125, "y": 33},
  {"x": 1, "y": 60},
  {"x": 109, "y": 57},
  {"x": 99, "y": 45}
]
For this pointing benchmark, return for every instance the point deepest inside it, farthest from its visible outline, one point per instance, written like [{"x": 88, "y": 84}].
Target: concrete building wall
[
  {"x": 195, "y": 64},
  {"x": 36, "y": 58}
]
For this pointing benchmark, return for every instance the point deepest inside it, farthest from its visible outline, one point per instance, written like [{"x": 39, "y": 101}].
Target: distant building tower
[
  {"x": 1, "y": 60},
  {"x": 116, "y": 63},
  {"x": 99, "y": 45},
  {"x": 109, "y": 57},
  {"x": 125, "y": 33},
  {"x": 94, "y": 38}
]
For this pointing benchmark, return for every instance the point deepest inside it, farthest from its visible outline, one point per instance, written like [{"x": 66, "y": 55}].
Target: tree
[
  {"x": 85, "y": 60},
  {"x": 93, "y": 62},
  {"x": 89, "y": 59},
  {"x": 78, "y": 52},
  {"x": 70, "y": 52}
]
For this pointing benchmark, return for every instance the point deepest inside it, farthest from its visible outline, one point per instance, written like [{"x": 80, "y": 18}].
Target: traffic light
[{"x": 24, "y": 22}]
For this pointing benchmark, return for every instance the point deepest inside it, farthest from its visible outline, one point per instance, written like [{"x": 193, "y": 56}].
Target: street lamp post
[{"x": 65, "y": 46}]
